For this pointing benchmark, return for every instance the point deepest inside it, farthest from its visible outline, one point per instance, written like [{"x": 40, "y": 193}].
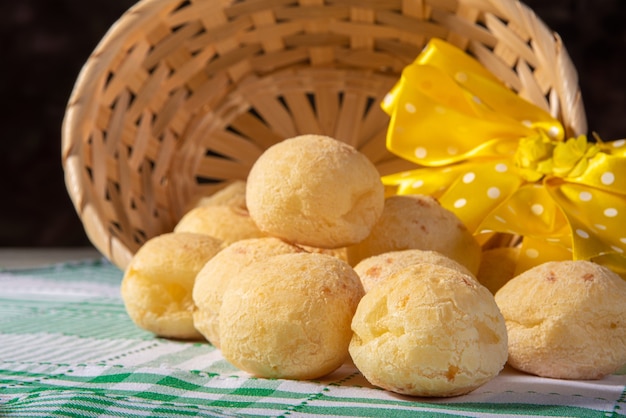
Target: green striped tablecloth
[{"x": 67, "y": 348}]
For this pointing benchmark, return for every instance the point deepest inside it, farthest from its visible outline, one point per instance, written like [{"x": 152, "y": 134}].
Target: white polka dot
[
  {"x": 610, "y": 212},
  {"x": 553, "y": 132},
  {"x": 388, "y": 99},
  {"x": 527, "y": 123},
  {"x": 417, "y": 184},
  {"x": 532, "y": 253},
  {"x": 452, "y": 150},
  {"x": 500, "y": 219},
  {"x": 607, "y": 178},
  {"x": 502, "y": 168},
  {"x": 537, "y": 209},
  {"x": 399, "y": 129},
  {"x": 461, "y": 77},
  {"x": 622, "y": 240},
  {"x": 440, "y": 109},
  {"x": 460, "y": 203},
  {"x": 493, "y": 192},
  {"x": 410, "y": 107},
  {"x": 476, "y": 99},
  {"x": 469, "y": 177},
  {"x": 619, "y": 143},
  {"x": 420, "y": 152},
  {"x": 582, "y": 233},
  {"x": 600, "y": 227},
  {"x": 617, "y": 249},
  {"x": 585, "y": 196}
]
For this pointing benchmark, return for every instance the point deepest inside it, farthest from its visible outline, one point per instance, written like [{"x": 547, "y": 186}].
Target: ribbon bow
[{"x": 503, "y": 165}]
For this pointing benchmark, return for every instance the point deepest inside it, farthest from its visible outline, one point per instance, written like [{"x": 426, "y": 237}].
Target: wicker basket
[{"x": 181, "y": 96}]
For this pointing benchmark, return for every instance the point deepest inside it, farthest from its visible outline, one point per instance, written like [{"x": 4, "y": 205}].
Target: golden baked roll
[
  {"x": 566, "y": 320},
  {"x": 315, "y": 190},
  {"x": 419, "y": 222},
  {"x": 227, "y": 223},
  {"x": 157, "y": 284},
  {"x": 340, "y": 253},
  {"x": 214, "y": 277},
  {"x": 288, "y": 316},
  {"x": 377, "y": 268},
  {"x": 497, "y": 266},
  {"x": 429, "y": 330},
  {"x": 233, "y": 194}
]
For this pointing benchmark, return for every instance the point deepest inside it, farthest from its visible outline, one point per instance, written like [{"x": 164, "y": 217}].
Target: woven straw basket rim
[{"x": 180, "y": 97}]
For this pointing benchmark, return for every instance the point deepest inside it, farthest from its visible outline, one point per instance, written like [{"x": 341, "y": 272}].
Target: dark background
[{"x": 44, "y": 43}]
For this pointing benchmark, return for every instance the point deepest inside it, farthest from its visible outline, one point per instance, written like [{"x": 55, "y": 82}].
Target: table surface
[
  {"x": 24, "y": 258},
  {"x": 68, "y": 348}
]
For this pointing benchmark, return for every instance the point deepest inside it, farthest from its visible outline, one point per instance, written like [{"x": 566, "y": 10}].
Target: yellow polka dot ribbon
[{"x": 503, "y": 164}]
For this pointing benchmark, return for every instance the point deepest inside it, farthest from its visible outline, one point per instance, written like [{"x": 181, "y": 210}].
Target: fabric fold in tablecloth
[{"x": 68, "y": 348}]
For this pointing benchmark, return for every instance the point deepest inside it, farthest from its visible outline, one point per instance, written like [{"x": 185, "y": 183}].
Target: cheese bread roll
[
  {"x": 497, "y": 266},
  {"x": 289, "y": 316},
  {"x": 233, "y": 194},
  {"x": 315, "y": 190},
  {"x": 226, "y": 223},
  {"x": 429, "y": 330},
  {"x": 419, "y": 222},
  {"x": 377, "y": 268},
  {"x": 566, "y": 320},
  {"x": 157, "y": 284},
  {"x": 214, "y": 277}
]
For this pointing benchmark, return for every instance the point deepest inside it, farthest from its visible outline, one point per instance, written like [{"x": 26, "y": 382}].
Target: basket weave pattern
[{"x": 181, "y": 97}]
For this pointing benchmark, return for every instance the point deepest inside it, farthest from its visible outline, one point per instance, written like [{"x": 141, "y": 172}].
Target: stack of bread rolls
[{"x": 307, "y": 265}]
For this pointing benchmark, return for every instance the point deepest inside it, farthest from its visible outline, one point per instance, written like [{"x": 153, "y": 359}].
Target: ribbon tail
[
  {"x": 596, "y": 219},
  {"x": 534, "y": 252}
]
